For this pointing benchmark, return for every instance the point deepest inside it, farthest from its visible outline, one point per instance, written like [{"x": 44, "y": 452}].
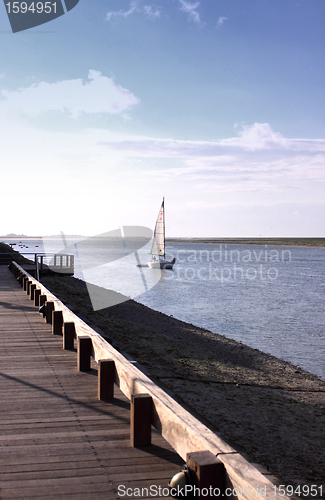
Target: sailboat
[{"x": 158, "y": 244}]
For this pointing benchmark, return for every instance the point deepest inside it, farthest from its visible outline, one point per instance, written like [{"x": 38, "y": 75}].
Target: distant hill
[
  {"x": 13, "y": 235},
  {"x": 319, "y": 242},
  {"x": 25, "y": 236}
]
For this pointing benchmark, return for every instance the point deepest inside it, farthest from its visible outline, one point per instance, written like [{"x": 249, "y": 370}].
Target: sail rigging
[{"x": 158, "y": 244}]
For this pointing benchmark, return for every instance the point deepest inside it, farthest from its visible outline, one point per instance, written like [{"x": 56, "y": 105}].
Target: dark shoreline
[
  {"x": 268, "y": 409},
  {"x": 310, "y": 242},
  {"x": 281, "y": 241}
]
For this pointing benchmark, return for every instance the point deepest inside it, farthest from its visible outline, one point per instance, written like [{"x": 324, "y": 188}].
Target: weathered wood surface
[
  {"x": 57, "y": 440},
  {"x": 180, "y": 429}
]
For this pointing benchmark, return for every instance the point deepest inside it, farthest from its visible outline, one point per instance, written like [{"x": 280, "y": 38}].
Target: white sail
[{"x": 158, "y": 244}]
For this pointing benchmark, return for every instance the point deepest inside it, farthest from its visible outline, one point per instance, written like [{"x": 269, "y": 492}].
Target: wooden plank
[
  {"x": 27, "y": 489},
  {"x": 76, "y": 496},
  {"x": 57, "y": 440},
  {"x": 48, "y": 474},
  {"x": 184, "y": 432},
  {"x": 82, "y": 470},
  {"x": 85, "y": 461}
]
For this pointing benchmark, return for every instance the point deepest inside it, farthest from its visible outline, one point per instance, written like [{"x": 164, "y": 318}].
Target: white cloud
[
  {"x": 258, "y": 136},
  {"x": 151, "y": 11},
  {"x": 91, "y": 178},
  {"x": 221, "y": 21},
  {"x": 191, "y": 10},
  {"x": 258, "y": 158},
  {"x": 120, "y": 13},
  {"x": 99, "y": 94}
]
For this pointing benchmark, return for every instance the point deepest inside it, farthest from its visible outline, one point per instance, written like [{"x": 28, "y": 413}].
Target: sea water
[{"x": 265, "y": 296}]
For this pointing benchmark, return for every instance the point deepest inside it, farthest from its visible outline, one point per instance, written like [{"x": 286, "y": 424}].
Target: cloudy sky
[{"x": 217, "y": 105}]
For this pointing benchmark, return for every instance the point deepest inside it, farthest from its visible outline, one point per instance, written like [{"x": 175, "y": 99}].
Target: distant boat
[{"x": 158, "y": 245}]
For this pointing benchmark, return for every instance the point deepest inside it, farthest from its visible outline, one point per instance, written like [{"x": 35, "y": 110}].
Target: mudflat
[{"x": 269, "y": 410}]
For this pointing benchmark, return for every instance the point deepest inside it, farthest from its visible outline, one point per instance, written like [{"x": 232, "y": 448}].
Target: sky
[{"x": 216, "y": 105}]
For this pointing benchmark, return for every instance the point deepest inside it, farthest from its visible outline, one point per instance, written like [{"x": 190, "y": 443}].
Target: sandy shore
[{"x": 269, "y": 410}]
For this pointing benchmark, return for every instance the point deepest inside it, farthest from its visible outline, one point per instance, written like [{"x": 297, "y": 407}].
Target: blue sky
[{"x": 218, "y": 105}]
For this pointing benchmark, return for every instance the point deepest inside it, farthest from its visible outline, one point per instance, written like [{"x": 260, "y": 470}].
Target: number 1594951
[
  {"x": 34, "y": 7},
  {"x": 312, "y": 490}
]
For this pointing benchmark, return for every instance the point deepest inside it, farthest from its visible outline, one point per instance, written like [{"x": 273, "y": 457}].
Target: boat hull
[{"x": 162, "y": 264}]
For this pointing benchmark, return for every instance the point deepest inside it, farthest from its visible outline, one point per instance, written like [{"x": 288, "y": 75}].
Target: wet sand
[{"x": 269, "y": 410}]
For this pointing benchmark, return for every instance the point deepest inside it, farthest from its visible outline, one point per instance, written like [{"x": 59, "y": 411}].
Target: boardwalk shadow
[
  {"x": 102, "y": 411},
  {"x": 165, "y": 454},
  {"x": 8, "y": 305}
]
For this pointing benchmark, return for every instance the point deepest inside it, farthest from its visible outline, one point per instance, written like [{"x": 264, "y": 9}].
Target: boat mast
[
  {"x": 158, "y": 242},
  {"x": 163, "y": 205}
]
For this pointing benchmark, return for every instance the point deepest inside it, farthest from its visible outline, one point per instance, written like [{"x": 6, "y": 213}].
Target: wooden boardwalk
[{"x": 57, "y": 440}]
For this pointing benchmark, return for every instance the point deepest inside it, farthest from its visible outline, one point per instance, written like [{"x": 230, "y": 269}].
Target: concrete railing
[{"x": 150, "y": 405}]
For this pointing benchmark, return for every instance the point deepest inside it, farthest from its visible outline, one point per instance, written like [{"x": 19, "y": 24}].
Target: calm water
[{"x": 268, "y": 297}]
